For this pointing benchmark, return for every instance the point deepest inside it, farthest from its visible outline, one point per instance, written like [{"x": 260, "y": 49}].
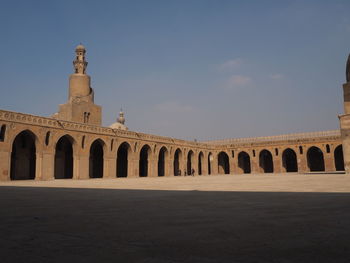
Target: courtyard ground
[{"x": 231, "y": 218}]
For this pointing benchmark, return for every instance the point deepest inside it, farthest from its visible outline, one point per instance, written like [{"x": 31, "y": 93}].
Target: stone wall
[{"x": 224, "y": 156}]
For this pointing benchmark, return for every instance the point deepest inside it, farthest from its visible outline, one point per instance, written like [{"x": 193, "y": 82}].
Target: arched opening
[
  {"x": 200, "y": 161},
  {"x": 244, "y": 162},
  {"x": 162, "y": 161},
  {"x": 96, "y": 159},
  {"x": 289, "y": 160},
  {"x": 223, "y": 163},
  {"x": 2, "y": 133},
  {"x": 315, "y": 159},
  {"x": 177, "y": 161},
  {"x": 112, "y": 143},
  {"x": 265, "y": 161},
  {"x": 47, "y": 138},
  {"x": 339, "y": 158},
  {"x": 143, "y": 163},
  {"x": 83, "y": 142},
  {"x": 64, "y": 158},
  {"x": 23, "y": 157},
  {"x": 190, "y": 168},
  {"x": 210, "y": 159},
  {"x": 122, "y": 159},
  {"x": 301, "y": 149}
]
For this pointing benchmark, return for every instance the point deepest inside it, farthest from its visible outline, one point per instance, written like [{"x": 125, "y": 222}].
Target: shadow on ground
[{"x": 99, "y": 225}]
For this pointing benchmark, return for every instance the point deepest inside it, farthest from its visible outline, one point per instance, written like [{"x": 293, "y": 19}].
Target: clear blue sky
[{"x": 186, "y": 69}]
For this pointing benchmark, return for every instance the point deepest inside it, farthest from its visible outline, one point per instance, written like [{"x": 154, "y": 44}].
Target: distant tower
[
  {"x": 120, "y": 124},
  {"x": 121, "y": 118},
  {"x": 345, "y": 120},
  {"x": 80, "y": 106}
]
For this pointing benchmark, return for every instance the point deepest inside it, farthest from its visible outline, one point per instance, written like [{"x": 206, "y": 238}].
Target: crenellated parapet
[{"x": 165, "y": 156}]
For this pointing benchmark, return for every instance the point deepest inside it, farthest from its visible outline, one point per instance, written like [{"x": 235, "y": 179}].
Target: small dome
[
  {"x": 80, "y": 47},
  {"x": 118, "y": 126},
  {"x": 120, "y": 122}
]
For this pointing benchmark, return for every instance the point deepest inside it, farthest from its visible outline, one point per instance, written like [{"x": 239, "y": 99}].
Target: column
[
  {"x": 5, "y": 164},
  {"x": 109, "y": 166},
  {"x": 277, "y": 163},
  {"x": 169, "y": 166},
  {"x": 152, "y": 167},
  {"x": 47, "y": 160},
  {"x": 133, "y": 165},
  {"x": 82, "y": 169}
]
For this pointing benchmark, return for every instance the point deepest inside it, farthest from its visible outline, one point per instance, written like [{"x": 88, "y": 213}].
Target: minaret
[
  {"x": 121, "y": 118},
  {"x": 80, "y": 106},
  {"x": 345, "y": 120},
  {"x": 120, "y": 124},
  {"x": 79, "y": 82}
]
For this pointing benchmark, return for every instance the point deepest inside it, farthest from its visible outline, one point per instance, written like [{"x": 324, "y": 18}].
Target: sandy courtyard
[{"x": 247, "y": 218}]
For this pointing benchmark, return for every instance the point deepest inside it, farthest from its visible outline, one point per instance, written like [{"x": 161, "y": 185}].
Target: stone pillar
[
  {"x": 329, "y": 162},
  {"x": 133, "y": 165},
  {"x": 169, "y": 166},
  {"x": 215, "y": 165},
  {"x": 195, "y": 163},
  {"x": 76, "y": 166},
  {"x": 254, "y": 163},
  {"x": 47, "y": 165},
  {"x": 183, "y": 164},
  {"x": 302, "y": 162},
  {"x": 152, "y": 167},
  {"x": 5, "y": 164},
  {"x": 109, "y": 167},
  {"x": 82, "y": 166},
  {"x": 38, "y": 165},
  {"x": 233, "y": 167},
  {"x": 277, "y": 163},
  {"x": 204, "y": 165}
]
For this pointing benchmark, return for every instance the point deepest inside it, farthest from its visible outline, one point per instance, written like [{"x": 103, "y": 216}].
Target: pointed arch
[
  {"x": 162, "y": 161},
  {"x": 123, "y": 154},
  {"x": 23, "y": 156},
  {"x": 200, "y": 163},
  {"x": 96, "y": 159},
  {"x": 244, "y": 162},
  {"x": 177, "y": 162},
  {"x": 289, "y": 160},
  {"x": 190, "y": 167},
  {"x": 144, "y": 167},
  {"x": 339, "y": 158},
  {"x": 2, "y": 133},
  {"x": 266, "y": 161},
  {"x": 223, "y": 163},
  {"x": 64, "y": 158},
  {"x": 315, "y": 159}
]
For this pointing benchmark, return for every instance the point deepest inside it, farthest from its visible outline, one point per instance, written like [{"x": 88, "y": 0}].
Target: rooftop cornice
[
  {"x": 82, "y": 127},
  {"x": 48, "y": 122},
  {"x": 279, "y": 138}
]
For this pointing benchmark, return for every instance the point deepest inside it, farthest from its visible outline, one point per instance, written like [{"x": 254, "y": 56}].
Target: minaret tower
[
  {"x": 80, "y": 106},
  {"x": 345, "y": 120}
]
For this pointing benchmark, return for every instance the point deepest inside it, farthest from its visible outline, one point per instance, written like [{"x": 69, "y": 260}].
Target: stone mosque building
[{"x": 73, "y": 144}]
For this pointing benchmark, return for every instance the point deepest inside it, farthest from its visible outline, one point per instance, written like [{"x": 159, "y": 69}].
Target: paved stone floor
[{"x": 247, "y": 218}]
